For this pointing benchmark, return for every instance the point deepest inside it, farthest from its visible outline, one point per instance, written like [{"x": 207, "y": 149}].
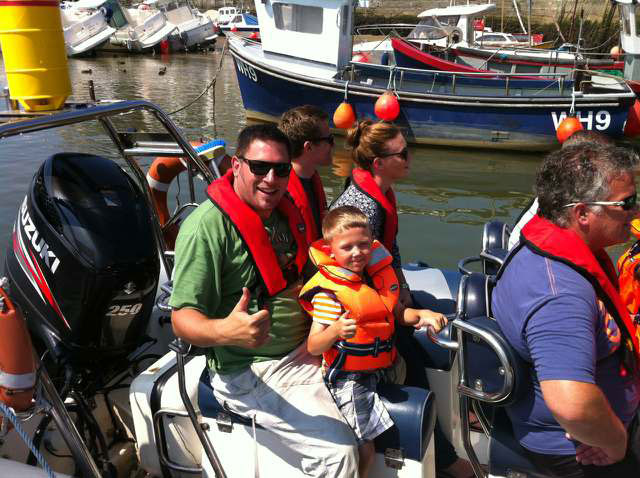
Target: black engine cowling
[{"x": 84, "y": 262}]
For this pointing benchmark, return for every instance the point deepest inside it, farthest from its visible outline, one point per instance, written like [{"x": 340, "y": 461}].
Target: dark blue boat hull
[{"x": 444, "y": 120}]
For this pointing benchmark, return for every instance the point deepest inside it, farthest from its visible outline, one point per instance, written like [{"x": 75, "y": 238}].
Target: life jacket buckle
[{"x": 376, "y": 346}]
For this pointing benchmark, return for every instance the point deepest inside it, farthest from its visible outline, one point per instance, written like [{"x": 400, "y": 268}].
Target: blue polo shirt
[{"x": 550, "y": 314}]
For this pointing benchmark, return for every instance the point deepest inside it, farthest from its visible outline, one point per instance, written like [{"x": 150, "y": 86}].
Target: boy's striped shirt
[{"x": 326, "y": 309}]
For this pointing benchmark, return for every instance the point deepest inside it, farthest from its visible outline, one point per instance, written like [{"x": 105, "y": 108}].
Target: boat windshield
[{"x": 430, "y": 28}]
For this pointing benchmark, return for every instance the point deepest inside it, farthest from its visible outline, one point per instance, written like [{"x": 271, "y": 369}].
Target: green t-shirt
[{"x": 212, "y": 264}]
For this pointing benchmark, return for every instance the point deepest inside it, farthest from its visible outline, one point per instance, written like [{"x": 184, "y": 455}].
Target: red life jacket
[
  {"x": 301, "y": 200},
  {"x": 251, "y": 229},
  {"x": 563, "y": 245},
  {"x": 364, "y": 181}
]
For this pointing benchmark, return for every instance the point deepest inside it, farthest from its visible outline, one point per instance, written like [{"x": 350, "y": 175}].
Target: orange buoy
[
  {"x": 567, "y": 127},
  {"x": 615, "y": 52},
  {"x": 162, "y": 171},
  {"x": 234, "y": 29},
  {"x": 254, "y": 36},
  {"x": 344, "y": 116},
  {"x": 387, "y": 106},
  {"x": 635, "y": 228},
  {"x": 17, "y": 366},
  {"x": 361, "y": 57},
  {"x": 632, "y": 126}
]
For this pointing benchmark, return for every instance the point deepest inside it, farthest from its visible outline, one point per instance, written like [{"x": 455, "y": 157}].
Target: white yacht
[
  {"x": 85, "y": 26},
  {"x": 193, "y": 29},
  {"x": 140, "y": 28}
]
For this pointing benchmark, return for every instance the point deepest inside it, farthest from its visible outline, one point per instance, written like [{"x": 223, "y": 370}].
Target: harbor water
[{"x": 443, "y": 204}]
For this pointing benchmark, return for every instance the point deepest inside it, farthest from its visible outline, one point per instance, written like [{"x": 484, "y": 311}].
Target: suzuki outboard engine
[{"x": 84, "y": 262}]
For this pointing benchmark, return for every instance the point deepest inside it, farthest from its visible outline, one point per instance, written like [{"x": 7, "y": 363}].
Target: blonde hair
[
  {"x": 342, "y": 218},
  {"x": 368, "y": 140}
]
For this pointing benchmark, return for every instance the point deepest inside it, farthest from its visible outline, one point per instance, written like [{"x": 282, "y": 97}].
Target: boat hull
[{"x": 446, "y": 120}]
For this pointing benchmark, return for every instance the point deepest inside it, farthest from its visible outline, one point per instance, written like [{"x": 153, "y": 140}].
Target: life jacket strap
[{"x": 358, "y": 350}]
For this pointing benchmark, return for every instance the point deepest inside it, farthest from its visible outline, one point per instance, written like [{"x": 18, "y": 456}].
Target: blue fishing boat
[{"x": 305, "y": 54}]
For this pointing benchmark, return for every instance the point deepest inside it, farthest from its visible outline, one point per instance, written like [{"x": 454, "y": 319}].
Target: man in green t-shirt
[{"x": 237, "y": 276}]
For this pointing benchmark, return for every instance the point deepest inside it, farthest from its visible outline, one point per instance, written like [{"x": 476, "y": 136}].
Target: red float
[
  {"x": 361, "y": 57},
  {"x": 387, "y": 106},
  {"x": 567, "y": 127},
  {"x": 632, "y": 126},
  {"x": 344, "y": 116},
  {"x": 254, "y": 36},
  {"x": 234, "y": 29}
]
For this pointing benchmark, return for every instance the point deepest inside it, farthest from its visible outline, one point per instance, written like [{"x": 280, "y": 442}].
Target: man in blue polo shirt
[{"x": 557, "y": 303}]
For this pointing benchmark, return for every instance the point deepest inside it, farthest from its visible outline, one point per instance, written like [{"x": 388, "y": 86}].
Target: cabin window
[
  {"x": 430, "y": 28},
  {"x": 298, "y": 18},
  {"x": 113, "y": 11}
]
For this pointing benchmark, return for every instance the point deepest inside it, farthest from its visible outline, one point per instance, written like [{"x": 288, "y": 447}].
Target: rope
[
  {"x": 8, "y": 412},
  {"x": 211, "y": 83}
]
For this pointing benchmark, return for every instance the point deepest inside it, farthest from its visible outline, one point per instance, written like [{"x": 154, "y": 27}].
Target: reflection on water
[{"x": 443, "y": 204}]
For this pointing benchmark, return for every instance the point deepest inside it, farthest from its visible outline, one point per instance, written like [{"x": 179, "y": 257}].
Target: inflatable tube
[
  {"x": 17, "y": 364},
  {"x": 163, "y": 171}
]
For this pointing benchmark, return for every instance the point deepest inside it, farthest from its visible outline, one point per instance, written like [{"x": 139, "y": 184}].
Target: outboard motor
[{"x": 84, "y": 262}]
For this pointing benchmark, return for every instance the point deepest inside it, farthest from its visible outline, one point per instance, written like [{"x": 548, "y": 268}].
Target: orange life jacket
[
  {"x": 301, "y": 200},
  {"x": 364, "y": 181},
  {"x": 370, "y": 306},
  {"x": 251, "y": 230},
  {"x": 629, "y": 281},
  {"x": 563, "y": 245},
  {"x": 627, "y": 270}
]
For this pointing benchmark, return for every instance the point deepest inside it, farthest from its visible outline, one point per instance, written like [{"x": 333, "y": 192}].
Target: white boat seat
[{"x": 412, "y": 410}]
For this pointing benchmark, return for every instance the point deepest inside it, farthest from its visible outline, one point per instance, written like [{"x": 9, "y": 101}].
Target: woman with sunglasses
[{"x": 380, "y": 153}]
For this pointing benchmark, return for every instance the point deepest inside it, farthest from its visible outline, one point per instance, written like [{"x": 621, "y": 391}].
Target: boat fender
[
  {"x": 344, "y": 116},
  {"x": 632, "y": 126},
  {"x": 387, "y": 106},
  {"x": 17, "y": 364},
  {"x": 567, "y": 127},
  {"x": 163, "y": 170}
]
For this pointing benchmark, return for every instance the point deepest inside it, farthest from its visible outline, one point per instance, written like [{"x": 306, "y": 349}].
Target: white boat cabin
[
  {"x": 440, "y": 26},
  {"x": 630, "y": 38},
  {"x": 313, "y": 30},
  {"x": 226, "y": 14}
]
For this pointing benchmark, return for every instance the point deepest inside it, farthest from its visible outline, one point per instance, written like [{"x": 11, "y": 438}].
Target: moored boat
[
  {"x": 85, "y": 26},
  {"x": 310, "y": 62}
]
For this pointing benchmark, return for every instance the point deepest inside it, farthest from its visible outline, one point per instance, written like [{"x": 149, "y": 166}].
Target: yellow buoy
[{"x": 35, "y": 59}]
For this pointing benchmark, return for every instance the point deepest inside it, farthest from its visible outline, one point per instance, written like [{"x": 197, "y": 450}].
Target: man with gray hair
[{"x": 557, "y": 303}]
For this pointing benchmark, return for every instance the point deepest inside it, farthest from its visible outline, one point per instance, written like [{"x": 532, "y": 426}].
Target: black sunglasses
[
  {"x": 404, "y": 154},
  {"x": 262, "y": 168},
  {"x": 329, "y": 139},
  {"x": 627, "y": 204}
]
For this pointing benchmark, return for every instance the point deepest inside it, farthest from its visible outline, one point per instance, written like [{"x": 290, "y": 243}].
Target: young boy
[{"x": 353, "y": 301}]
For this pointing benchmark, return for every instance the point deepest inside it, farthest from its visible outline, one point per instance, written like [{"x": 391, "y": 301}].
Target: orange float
[
  {"x": 17, "y": 365},
  {"x": 344, "y": 116},
  {"x": 632, "y": 126},
  {"x": 387, "y": 106},
  {"x": 615, "y": 53},
  {"x": 567, "y": 127},
  {"x": 162, "y": 171}
]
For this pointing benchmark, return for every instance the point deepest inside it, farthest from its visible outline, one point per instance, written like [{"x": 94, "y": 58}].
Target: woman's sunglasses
[
  {"x": 404, "y": 154},
  {"x": 627, "y": 204},
  {"x": 262, "y": 168}
]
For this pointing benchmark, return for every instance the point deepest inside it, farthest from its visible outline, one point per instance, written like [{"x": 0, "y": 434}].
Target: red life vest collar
[
  {"x": 363, "y": 179},
  {"x": 251, "y": 230},
  {"x": 563, "y": 245},
  {"x": 301, "y": 200}
]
